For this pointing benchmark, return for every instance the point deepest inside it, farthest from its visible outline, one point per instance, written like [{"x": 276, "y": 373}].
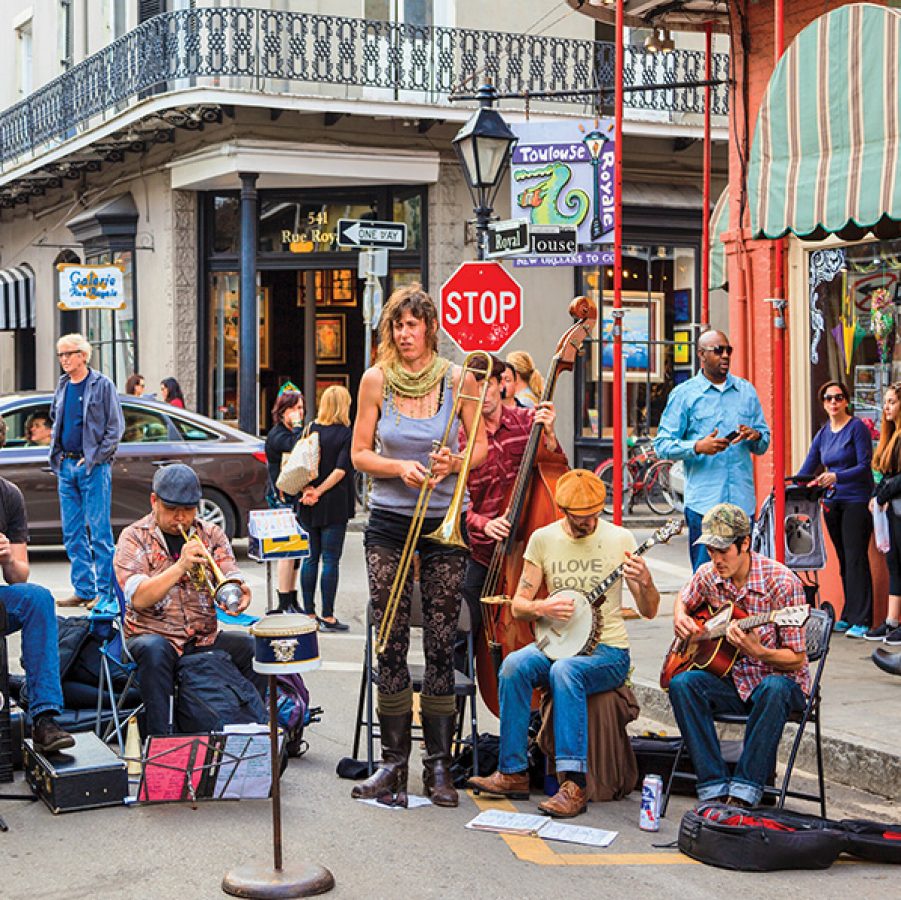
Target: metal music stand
[{"x": 5, "y": 737}]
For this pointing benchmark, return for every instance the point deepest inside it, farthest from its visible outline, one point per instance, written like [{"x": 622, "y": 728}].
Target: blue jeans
[
  {"x": 571, "y": 682},
  {"x": 327, "y": 544},
  {"x": 697, "y": 695},
  {"x": 31, "y": 609},
  {"x": 698, "y": 552},
  {"x": 84, "y": 501}
]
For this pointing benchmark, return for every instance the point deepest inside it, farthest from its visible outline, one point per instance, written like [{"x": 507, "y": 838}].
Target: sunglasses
[
  {"x": 719, "y": 350},
  {"x": 65, "y": 354},
  {"x": 833, "y": 398}
]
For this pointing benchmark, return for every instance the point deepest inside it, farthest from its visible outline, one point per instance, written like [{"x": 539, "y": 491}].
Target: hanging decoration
[{"x": 882, "y": 321}]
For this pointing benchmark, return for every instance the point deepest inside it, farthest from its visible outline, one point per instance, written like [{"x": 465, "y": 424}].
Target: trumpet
[
  {"x": 448, "y": 532},
  {"x": 226, "y": 591}
]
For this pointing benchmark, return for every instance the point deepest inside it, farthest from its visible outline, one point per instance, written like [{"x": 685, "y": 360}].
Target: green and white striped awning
[
  {"x": 719, "y": 222},
  {"x": 825, "y": 156}
]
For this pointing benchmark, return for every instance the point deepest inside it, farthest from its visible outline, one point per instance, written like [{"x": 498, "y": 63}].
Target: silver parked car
[{"x": 231, "y": 465}]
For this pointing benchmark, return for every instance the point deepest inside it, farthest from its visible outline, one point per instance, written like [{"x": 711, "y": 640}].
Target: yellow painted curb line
[{"x": 535, "y": 850}]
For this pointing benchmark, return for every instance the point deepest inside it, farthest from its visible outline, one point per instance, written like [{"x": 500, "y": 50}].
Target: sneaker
[
  {"x": 49, "y": 738},
  {"x": 841, "y": 626},
  {"x": 893, "y": 638},
  {"x": 856, "y": 631},
  {"x": 334, "y": 625},
  {"x": 878, "y": 632}
]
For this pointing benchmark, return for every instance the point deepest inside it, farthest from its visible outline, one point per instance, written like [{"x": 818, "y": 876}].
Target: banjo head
[{"x": 566, "y": 639}]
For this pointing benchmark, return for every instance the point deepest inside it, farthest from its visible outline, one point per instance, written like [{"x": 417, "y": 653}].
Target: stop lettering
[{"x": 481, "y": 306}]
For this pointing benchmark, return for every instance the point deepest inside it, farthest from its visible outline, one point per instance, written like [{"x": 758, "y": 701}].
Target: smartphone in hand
[{"x": 731, "y": 436}]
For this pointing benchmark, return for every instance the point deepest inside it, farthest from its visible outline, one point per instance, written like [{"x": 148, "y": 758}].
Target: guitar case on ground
[{"x": 754, "y": 840}]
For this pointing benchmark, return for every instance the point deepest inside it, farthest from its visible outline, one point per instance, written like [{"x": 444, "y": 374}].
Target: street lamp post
[
  {"x": 483, "y": 147},
  {"x": 594, "y": 141}
]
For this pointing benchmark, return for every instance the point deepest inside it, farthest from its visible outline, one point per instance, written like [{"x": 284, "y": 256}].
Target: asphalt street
[{"x": 169, "y": 851}]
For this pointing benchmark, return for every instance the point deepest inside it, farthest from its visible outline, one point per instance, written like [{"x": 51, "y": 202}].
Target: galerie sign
[{"x": 91, "y": 287}]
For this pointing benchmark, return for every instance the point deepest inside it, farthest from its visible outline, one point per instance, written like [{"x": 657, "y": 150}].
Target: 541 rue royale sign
[{"x": 91, "y": 287}]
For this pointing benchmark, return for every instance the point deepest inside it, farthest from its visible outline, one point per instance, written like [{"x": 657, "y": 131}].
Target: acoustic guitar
[
  {"x": 581, "y": 633},
  {"x": 709, "y": 650}
]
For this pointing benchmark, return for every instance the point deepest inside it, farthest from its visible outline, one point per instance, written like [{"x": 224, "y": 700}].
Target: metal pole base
[{"x": 265, "y": 882}]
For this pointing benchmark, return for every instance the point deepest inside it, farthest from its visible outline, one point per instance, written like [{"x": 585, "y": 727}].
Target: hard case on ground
[
  {"x": 758, "y": 840},
  {"x": 86, "y": 776}
]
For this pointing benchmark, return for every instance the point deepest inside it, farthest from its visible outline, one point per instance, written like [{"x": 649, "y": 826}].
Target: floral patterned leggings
[{"x": 440, "y": 579}]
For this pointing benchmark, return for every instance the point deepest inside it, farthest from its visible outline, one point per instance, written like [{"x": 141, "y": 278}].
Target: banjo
[{"x": 581, "y": 633}]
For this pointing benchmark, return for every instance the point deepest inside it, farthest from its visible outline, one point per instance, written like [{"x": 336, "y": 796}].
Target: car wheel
[{"x": 216, "y": 509}]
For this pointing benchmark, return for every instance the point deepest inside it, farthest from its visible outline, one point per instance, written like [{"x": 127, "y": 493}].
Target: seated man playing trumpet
[{"x": 160, "y": 565}]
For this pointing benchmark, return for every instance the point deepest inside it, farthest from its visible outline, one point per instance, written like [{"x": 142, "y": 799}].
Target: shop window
[
  {"x": 224, "y": 322},
  {"x": 408, "y": 205},
  {"x": 658, "y": 302},
  {"x": 226, "y": 224},
  {"x": 289, "y": 226},
  {"x": 111, "y": 332},
  {"x": 854, "y": 296}
]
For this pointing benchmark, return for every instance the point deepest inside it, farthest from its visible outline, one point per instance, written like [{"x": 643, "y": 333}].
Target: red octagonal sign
[{"x": 481, "y": 306}]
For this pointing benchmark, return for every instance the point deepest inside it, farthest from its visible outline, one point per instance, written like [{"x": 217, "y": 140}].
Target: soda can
[{"x": 651, "y": 794}]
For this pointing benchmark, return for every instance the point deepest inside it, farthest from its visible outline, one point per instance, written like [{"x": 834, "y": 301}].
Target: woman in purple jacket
[{"x": 841, "y": 453}]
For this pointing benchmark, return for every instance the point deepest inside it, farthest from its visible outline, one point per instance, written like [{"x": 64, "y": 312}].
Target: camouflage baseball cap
[{"x": 723, "y": 525}]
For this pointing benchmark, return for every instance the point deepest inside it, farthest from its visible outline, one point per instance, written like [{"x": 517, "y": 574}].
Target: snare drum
[{"x": 285, "y": 643}]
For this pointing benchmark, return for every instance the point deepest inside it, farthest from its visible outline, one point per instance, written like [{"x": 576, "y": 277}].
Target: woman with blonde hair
[
  {"x": 405, "y": 404},
  {"x": 528, "y": 383},
  {"x": 887, "y": 469},
  {"x": 326, "y": 506}
]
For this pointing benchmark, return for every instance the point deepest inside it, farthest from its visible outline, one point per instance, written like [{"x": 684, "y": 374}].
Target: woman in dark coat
[
  {"x": 286, "y": 431},
  {"x": 326, "y": 506}
]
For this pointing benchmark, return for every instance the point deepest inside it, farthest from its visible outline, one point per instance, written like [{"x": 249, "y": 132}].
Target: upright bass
[{"x": 530, "y": 505}]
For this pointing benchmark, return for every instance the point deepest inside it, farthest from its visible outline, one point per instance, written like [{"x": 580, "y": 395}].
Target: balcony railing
[{"x": 266, "y": 51}]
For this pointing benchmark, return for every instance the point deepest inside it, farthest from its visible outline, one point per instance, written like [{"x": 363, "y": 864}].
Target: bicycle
[{"x": 645, "y": 476}]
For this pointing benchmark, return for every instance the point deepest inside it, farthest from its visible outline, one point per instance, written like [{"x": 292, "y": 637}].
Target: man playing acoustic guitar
[
  {"x": 578, "y": 552},
  {"x": 770, "y": 677}
]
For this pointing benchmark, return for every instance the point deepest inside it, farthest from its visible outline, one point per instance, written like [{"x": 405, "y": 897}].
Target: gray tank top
[{"x": 402, "y": 437}]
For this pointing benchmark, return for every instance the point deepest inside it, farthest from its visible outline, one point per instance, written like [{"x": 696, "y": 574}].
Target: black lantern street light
[
  {"x": 483, "y": 147},
  {"x": 594, "y": 141}
]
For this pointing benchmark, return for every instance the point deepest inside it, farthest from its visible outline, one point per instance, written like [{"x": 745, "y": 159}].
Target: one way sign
[{"x": 363, "y": 233}]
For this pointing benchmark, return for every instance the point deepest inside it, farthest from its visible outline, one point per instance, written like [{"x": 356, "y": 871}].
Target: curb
[{"x": 866, "y": 768}]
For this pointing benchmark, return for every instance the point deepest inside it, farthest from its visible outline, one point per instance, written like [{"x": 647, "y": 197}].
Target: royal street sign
[{"x": 508, "y": 237}]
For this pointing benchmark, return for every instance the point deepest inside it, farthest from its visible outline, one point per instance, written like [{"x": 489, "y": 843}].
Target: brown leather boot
[
  {"x": 436, "y": 777},
  {"x": 388, "y": 783},
  {"x": 513, "y": 787},
  {"x": 569, "y": 801}
]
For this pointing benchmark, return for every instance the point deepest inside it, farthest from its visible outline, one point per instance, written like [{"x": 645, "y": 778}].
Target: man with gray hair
[{"x": 87, "y": 426}]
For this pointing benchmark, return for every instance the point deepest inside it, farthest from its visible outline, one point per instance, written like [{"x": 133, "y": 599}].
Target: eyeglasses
[
  {"x": 65, "y": 354},
  {"x": 833, "y": 398},
  {"x": 719, "y": 350}
]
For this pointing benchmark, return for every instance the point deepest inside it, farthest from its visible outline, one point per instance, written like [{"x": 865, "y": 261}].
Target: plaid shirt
[
  {"x": 770, "y": 586},
  {"x": 489, "y": 484},
  {"x": 186, "y": 612}
]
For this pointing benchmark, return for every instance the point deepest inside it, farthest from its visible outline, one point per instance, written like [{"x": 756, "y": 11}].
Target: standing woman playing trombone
[{"x": 405, "y": 404}]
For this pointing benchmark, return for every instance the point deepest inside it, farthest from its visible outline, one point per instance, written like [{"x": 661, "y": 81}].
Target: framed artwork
[
  {"x": 681, "y": 306},
  {"x": 682, "y": 349},
  {"x": 642, "y": 336},
  {"x": 333, "y": 287},
  {"x": 264, "y": 305},
  {"x": 326, "y": 381},
  {"x": 331, "y": 345}
]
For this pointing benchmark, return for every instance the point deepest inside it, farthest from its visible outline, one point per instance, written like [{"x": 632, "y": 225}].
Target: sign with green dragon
[{"x": 561, "y": 173}]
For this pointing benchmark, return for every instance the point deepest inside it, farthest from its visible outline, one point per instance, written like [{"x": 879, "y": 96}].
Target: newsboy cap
[
  {"x": 177, "y": 485},
  {"x": 723, "y": 525},
  {"x": 580, "y": 492}
]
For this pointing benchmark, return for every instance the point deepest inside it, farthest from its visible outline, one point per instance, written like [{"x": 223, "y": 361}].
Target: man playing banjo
[{"x": 576, "y": 552}]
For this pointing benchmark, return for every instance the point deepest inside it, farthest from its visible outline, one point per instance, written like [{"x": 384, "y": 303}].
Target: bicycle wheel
[
  {"x": 658, "y": 488},
  {"x": 605, "y": 472}
]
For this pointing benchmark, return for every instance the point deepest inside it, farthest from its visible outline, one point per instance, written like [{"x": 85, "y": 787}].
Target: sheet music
[
  {"x": 501, "y": 822},
  {"x": 245, "y": 770},
  {"x": 577, "y": 834}
]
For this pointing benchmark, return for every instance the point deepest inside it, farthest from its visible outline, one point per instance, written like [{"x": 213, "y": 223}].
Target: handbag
[{"x": 301, "y": 465}]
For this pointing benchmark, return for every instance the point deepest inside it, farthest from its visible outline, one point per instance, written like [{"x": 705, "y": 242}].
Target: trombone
[
  {"x": 448, "y": 532},
  {"x": 226, "y": 592}
]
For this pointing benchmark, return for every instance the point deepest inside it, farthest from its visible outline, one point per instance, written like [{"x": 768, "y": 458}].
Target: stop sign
[{"x": 481, "y": 306}]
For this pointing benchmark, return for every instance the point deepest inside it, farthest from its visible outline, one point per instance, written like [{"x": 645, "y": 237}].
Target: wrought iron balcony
[{"x": 275, "y": 52}]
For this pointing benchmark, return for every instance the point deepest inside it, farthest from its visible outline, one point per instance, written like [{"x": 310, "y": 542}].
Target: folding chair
[
  {"x": 115, "y": 659},
  {"x": 818, "y": 632},
  {"x": 464, "y": 686}
]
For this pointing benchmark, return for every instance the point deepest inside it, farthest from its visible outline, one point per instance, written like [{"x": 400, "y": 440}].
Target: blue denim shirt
[
  {"x": 693, "y": 410},
  {"x": 103, "y": 421}
]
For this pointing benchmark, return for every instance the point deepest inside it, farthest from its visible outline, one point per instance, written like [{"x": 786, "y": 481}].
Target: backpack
[
  {"x": 293, "y": 704},
  {"x": 212, "y": 693}
]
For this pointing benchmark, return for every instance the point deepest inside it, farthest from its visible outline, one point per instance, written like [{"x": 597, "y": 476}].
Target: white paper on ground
[
  {"x": 577, "y": 834},
  {"x": 414, "y": 801},
  {"x": 541, "y": 826}
]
